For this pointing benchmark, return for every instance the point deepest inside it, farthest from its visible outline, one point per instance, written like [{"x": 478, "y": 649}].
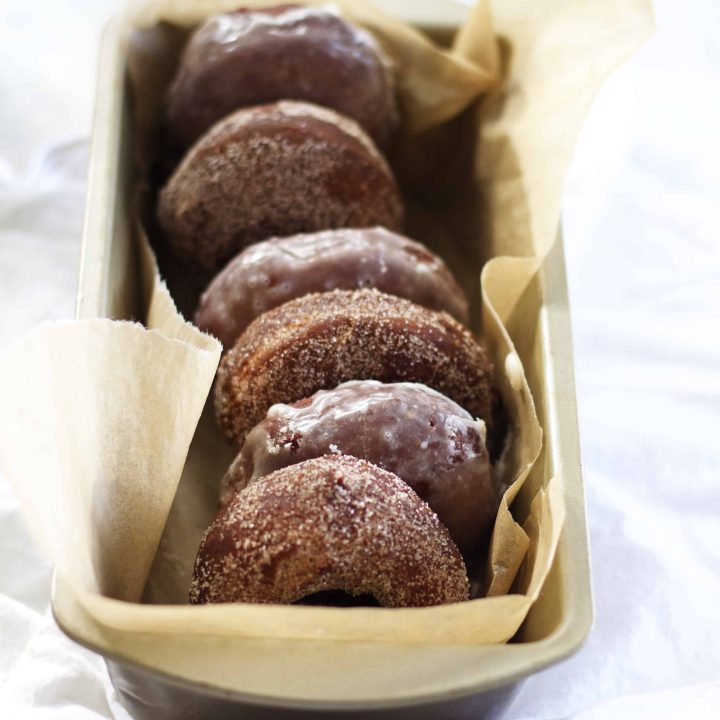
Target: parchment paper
[{"x": 495, "y": 174}]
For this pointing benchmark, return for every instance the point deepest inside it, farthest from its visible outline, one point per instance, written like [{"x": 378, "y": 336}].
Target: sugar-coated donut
[
  {"x": 288, "y": 52},
  {"x": 274, "y": 170},
  {"x": 421, "y": 436},
  {"x": 270, "y": 273},
  {"x": 321, "y": 340},
  {"x": 331, "y": 523}
]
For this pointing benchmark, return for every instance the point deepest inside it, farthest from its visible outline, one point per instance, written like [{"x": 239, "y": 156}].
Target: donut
[
  {"x": 421, "y": 436},
  {"x": 321, "y": 340},
  {"x": 330, "y": 523},
  {"x": 272, "y": 272},
  {"x": 276, "y": 169},
  {"x": 289, "y": 52}
]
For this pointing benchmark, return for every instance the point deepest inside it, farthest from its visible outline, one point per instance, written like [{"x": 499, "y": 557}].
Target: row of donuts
[
  {"x": 296, "y": 92},
  {"x": 357, "y": 399},
  {"x": 354, "y": 472}
]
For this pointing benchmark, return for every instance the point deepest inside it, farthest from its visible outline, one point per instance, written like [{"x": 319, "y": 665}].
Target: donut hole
[{"x": 338, "y": 598}]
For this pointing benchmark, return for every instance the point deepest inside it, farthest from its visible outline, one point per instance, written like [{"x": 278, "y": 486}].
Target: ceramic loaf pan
[{"x": 443, "y": 681}]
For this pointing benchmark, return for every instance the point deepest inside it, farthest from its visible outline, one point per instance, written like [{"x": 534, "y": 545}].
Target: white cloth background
[{"x": 642, "y": 227}]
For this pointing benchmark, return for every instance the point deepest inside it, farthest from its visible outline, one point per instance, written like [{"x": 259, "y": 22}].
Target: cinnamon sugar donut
[
  {"x": 410, "y": 430},
  {"x": 321, "y": 340},
  {"x": 288, "y": 52},
  {"x": 269, "y": 170},
  {"x": 331, "y": 523},
  {"x": 272, "y": 272}
]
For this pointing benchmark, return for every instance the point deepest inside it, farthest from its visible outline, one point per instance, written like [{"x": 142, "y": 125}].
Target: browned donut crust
[
  {"x": 274, "y": 170},
  {"x": 269, "y": 273},
  {"x": 331, "y": 523},
  {"x": 288, "y": 52},
  {"x": 321, "y": 340}
]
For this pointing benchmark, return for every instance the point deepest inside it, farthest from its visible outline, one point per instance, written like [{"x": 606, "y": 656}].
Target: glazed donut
[
  {"x": 321, "y": 340},
  {"x": 270, "y": 170},
  {"x": 288, "y": 52},
  {"x": 410, "y": 430},
  {"x": 331, "y": 523},
  {"x": 270, "y": 273}
]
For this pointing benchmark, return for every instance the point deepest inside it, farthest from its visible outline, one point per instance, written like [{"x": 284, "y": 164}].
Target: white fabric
[{"x": 642, "y": 230}]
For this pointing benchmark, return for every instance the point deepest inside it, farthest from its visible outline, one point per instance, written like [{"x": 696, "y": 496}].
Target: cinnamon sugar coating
[
  {"x": 269, "y": 273},
  {"x": 331, "y": 523},
  {"x": 254, "y": 56},
  {"x": 274, "y": 170},
  {"x": 416, "y": 433},
  {"x": 321, "y": 340}
]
